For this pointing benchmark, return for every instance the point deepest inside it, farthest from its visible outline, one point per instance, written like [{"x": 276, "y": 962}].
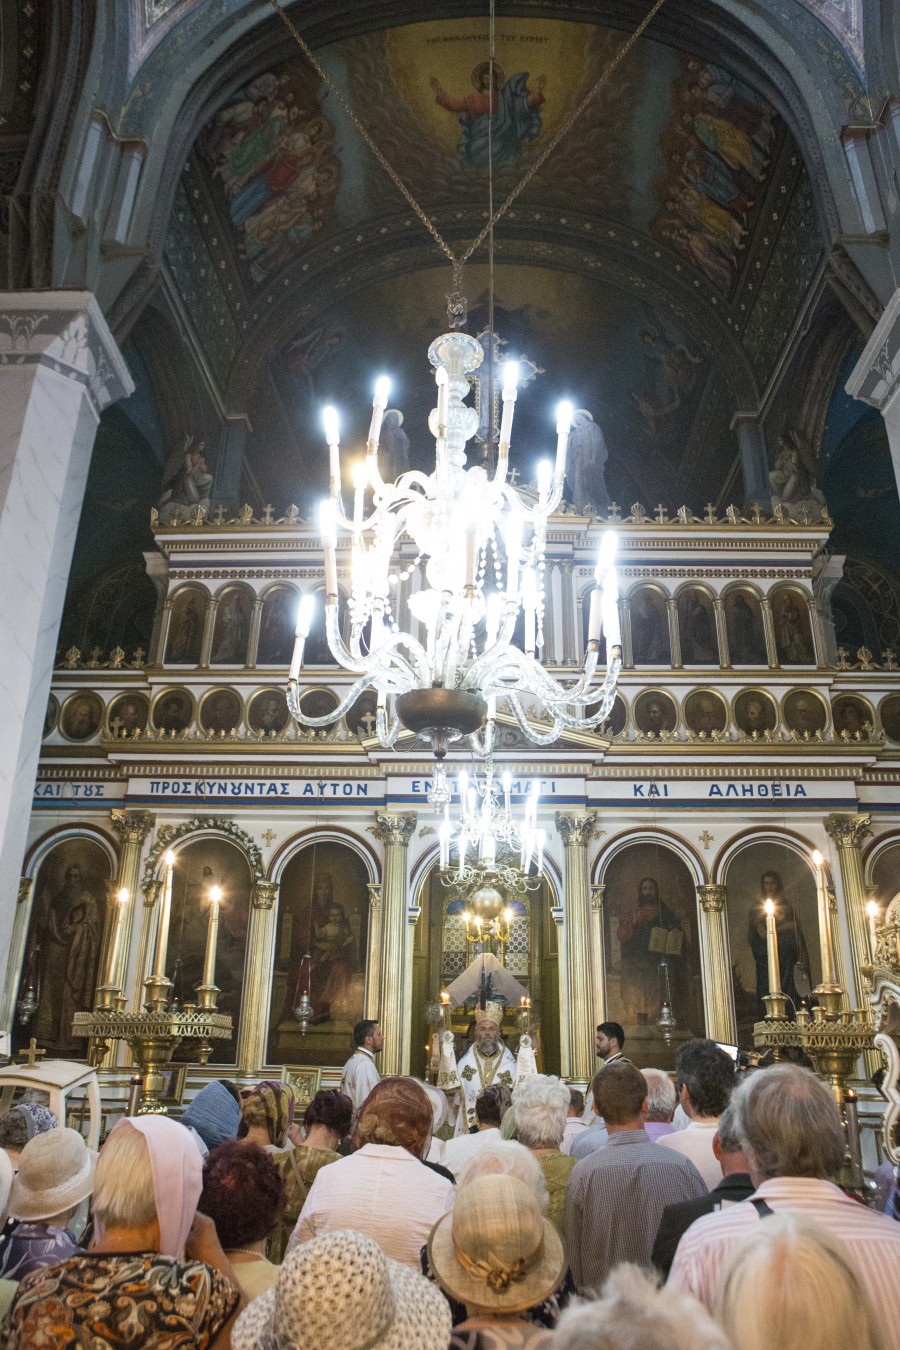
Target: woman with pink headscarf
[{"x": 156, "y": 1275}]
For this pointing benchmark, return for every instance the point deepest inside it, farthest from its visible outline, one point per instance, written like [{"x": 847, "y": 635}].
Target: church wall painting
[
  {"x": 323, "y": 910},
  {"x": 793, "y": 635},
  {"x": 232, "y": 629},
  {"x": 889, "y": 712},
  {"x": 186, "y": 626},
  {"x": 852, "y": 716},
  {"x": 199, "y": 864},
  {"x": 172, "y": 710},
  {"x": 759, "y": 871},
  {"x": 276, "y": 626},
  {"x": 81, "y": 716},
  {"x": 650, "y": 925},
  {"x": 885, "y": 875},
  {"x": 128, "y": 713},
  {"x": 755, "y": 712},
  {"x": 697, "y": 627},
  {"x": 744, "y": 626},
  {"x": 649, "y": 627},
  {"x": 63, "y": 946}
]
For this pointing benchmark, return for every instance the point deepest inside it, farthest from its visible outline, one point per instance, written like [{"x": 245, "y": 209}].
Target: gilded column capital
[
  {"x": 598, "y": 895},
  {"x": 132, "y": 827},
  {"x": 374, "y": 889},
  {"x": 24, "y": 890},
  {"x": 576, "y": 830},
  {"x": 848, "y": 831},
  {"x": 393, "y": 831},
  {"x": 712, "y": 898},
  {"x": 264, "y": 894}
]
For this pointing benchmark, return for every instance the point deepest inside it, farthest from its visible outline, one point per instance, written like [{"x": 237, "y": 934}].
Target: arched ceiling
[{"x": 652, "y": 267}]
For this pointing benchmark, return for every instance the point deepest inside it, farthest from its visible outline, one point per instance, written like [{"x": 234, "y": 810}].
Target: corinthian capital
[
  {"x": 132, "y": 827},
  {"x": 712, "y": 898},
  {"x": 394, "y": 830},
  {"x": 848, "y": 831},
  {"x": 263, "y": 894},
  {"x": 576, "y": 831}
]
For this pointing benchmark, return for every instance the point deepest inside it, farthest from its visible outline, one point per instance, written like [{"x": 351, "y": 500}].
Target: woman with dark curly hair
[
  {"x": 243, "y": 1194},
  {"x": 327, "y": 1120}
]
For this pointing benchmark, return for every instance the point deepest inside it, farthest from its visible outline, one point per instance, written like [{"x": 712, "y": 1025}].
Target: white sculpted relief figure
[
  {"x": 187, "y": 484},
  {"x": 587, "y": 456},
  {"x": 793, "y": 479}
]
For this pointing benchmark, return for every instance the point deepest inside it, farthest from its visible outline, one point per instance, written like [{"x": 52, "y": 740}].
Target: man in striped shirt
[
  {"x": 616, "y": 1195},
  {"x": 793, "y": 1139}
]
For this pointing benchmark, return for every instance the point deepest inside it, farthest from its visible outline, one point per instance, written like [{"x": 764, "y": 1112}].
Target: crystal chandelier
[
  {"x": 485, "y": 823},
  {"x": 441, "y": 657}
]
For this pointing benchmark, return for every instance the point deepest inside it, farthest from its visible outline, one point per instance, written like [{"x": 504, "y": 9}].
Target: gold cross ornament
[{"x": 32, "y": 1054}]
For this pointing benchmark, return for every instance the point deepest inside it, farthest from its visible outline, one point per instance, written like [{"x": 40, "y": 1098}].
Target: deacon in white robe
[
  {"x": 488, "y": 1061},
  {"x": 359, "y": 1074}
]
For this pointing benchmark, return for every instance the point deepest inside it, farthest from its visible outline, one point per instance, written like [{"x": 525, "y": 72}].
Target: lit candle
[
  {"x": 301, "y": 633},
  {"x": 165, "y": 910},
  {"x": 772, "y": 948},
  {"x": 564, "y": 413},
  {"x": 445, "y": 1008},
  {"x": 507, "y": 789},
  {"x": 872, "y": 911},
  {"x": 510, "y": 381},
  {"x": 212, "y": 937},
  {"x": 825, "y": 942},
  {"x": 470, "y": 554},
  {"x": 360, "y": 477},
  {"x": 116, "y": 944},
  {"x": 331, "y": 427},
  {"x": 379, "y": 403}
]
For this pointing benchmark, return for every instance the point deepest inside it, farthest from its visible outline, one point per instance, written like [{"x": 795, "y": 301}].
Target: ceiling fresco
[
  {"x": 672, "y": 146},
  {"x": 639, "y": 373}
]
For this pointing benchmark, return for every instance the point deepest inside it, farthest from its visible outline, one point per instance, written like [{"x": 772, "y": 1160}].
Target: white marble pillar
[
  {"x": 59, "y": 368},
  {"x": 876, "y": 376}
]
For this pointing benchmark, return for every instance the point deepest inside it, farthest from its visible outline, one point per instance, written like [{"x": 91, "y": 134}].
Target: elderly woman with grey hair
[
  {"x": 633, "y": 1313},
  {"x": 541, "y": 1107}
]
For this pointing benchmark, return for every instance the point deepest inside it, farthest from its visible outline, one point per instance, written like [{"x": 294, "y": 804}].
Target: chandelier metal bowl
[{"x": 440, "y": 657}]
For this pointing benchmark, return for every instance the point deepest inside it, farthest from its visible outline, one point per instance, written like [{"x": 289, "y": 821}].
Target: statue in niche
[
  {"x": 793, "y": 957},
  {"x": 587, "y": 456},
  {"x": 187, "y": 484},
  {"x": 793, "y": 479},
  {"x": 69, "y": 941},
  {"x": 393, "y": 447}
]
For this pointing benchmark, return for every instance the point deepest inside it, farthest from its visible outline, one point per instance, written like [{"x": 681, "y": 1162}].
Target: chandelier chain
[{"x": 494, "y": 217}]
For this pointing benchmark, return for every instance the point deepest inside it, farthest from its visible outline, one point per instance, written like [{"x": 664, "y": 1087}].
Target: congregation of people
[{"x": 700, "y": 1212}]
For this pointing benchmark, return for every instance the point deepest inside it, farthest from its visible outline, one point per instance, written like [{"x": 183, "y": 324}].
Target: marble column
[
  {"x": 253, "y": 643},
  {"x": 847, "y": 833},
  {"x": 765, "y": 606},
  {"x": 674, "y": 632},
  {"x": 132, "y": 827},
  {"x": 59, "y": 368},
  {"x": 876, "y": 377},
  {"x": 209, "y": 628},
  {"x": 568, "y": 612},
  {"x": 722, "y": 633},
  {"x": 373, "y": 961},
  {"x": 718, "y": 994},
  {"x": 576, "y": 832},
  {"x": 754, "y": 460},
  {"x": 251, "y": 1044},
  {"x": 395, "y": 975}
]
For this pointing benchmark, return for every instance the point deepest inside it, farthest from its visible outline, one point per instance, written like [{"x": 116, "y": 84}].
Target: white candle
[
  {"x": 116, "y": 944},
  {"x": 212, "y": 936},
  {"x": 165, "y": 910},
  {"x": 360, "y": 477},
  {"x": 331, "y": 427},
  {"x": 825, "y": 943},
  {"x": 563, "y": 425},
  {"x": 507, "y": 788},
  {"x": 301, "y": 633},
  {"x": 510, "y": 381},
  {"x": 379, "y": 403},
  {"x": 872, "y": 912},
  {"x": 772, "y": 948},
  {"x": 595, "y": 615}
]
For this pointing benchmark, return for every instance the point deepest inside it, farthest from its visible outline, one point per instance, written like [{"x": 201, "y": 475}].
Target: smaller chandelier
[
  {"x": 442, "y": 655},
  {"x": 485, "y": 824}
]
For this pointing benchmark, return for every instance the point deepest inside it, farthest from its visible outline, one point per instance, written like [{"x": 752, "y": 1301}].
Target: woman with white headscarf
[{"x": 156, "y": 1273}]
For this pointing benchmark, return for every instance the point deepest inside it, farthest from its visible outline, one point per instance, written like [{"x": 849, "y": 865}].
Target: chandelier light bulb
[
  {"x": 606, "y": 554},
  {"x": 331, "y": 425},
  {"x": 872, "y": 909},
  {"x": 169, "y": 858},
  {"x": 215, "y": 894},
  {"x": 382, "y": 390},
  {"x": 564, "y": 415},
  {"x": 544, "y": 477},
  {"x": 510, "y": 378},
  {"x": 305, "y": 611},
  {"x": 769, "y": 907},
  {"x": 817, "y": 858}
]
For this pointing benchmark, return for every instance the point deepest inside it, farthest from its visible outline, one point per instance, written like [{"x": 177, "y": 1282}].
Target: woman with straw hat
[
  {"x": 498, "y": 1255},
  {"x": 56, "y": 1173}
]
